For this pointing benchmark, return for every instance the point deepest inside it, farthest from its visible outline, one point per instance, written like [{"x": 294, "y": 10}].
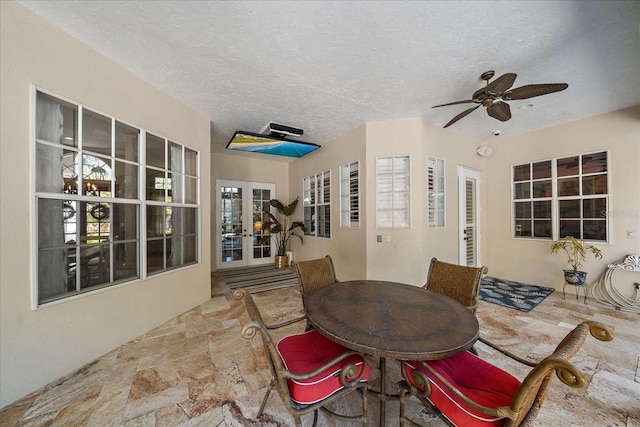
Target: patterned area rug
[{"x": 519, "y": 296}]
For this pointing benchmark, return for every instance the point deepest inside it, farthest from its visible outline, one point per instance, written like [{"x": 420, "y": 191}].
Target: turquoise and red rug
[{"x": 519, "y": 296}]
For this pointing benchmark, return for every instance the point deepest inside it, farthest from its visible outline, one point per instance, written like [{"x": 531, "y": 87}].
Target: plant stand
[
  {"x": 578, "y": 279},
  {"x": 583, "y": 286}
]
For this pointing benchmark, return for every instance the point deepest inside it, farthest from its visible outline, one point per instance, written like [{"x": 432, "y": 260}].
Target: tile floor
[{"x": 196, "y": 370}]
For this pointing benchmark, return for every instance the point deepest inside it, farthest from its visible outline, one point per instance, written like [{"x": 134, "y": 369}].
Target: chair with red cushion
[
  {"x": 464, "y": 390},
  {"x": 457, "y": 282},
  {"x": 308, "y": 370},
  {"x": 313, "y": 275}
]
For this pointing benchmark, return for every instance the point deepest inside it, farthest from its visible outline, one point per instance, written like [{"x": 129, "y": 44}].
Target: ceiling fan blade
[
  {"x": 500, "y": 111},
  {"x": 461, "y": 115},
  {"x": 468, "y": 101},
  {"x": 529, "y": 91},
  {"x": 501, "y": 84}
]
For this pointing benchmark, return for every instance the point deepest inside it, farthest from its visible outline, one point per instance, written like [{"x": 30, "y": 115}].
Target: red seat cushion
[
  {"x": 307, "y": 352},
  {"x": 480, "y": 381}
]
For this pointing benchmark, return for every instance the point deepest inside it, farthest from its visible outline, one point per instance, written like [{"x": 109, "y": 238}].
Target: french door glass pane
[{"x": 541, "y": 189}]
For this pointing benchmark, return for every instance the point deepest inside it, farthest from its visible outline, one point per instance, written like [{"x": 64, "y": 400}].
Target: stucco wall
[
  {"x": 346, "y": 245},
  {"x": 529, "y": 260},
  {"x": 38, "y": 346}
]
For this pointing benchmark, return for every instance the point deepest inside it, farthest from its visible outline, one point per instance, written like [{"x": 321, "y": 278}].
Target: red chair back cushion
[
  {"x": 477, "y": 379},
  {"x": 307, "y": 352}
]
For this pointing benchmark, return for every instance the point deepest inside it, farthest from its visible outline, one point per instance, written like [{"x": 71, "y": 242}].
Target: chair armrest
[
  {"x": 286, "y": 323},
  {"x": 348, "y": 373},
  {"x": 507, "y": 353}
]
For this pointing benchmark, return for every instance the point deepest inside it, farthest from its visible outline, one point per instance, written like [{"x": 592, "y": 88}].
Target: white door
[
  {"x": 469, "y": 217},
  {"x": 240, "y": 213}
]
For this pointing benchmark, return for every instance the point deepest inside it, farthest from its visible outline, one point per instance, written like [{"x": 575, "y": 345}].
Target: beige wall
[
  {"x": 246, "y": 168},
  {"x": 346, "y": 245},
  {"x": 530, "y": 260},
  {"x": 404, "y": 254},
  {"x": 38, "y": 346}
]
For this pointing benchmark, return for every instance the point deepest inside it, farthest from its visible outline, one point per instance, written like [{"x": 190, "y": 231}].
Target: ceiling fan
[{"x": 493, "y": 95}]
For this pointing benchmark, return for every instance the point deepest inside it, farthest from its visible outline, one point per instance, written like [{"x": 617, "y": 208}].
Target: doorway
[
  {"x": 468, "y": 217},
  {"x": 239, "y": 218}
]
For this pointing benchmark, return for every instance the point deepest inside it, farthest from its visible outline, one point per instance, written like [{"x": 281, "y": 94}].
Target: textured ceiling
[{"x": 329, "y": 67}]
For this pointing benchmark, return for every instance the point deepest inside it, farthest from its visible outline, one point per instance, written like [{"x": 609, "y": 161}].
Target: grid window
[
  {"x": 576, "y": 186},
  {"x": 392, "y": 192},
  {"x": 350, "y": 195},
  {"x": 316, "y": 201},
  {"x": 435, "y": 188},
  {"x": 89, "y": 210}
]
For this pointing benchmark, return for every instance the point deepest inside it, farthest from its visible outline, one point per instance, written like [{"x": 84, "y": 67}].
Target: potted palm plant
[
  {"x": 576, "y": 251},
  {"x": 281, "y": 228}
]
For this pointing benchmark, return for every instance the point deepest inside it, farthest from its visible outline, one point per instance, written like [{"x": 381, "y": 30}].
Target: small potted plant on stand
[
  {"x": 577, "y": 251},
  {"x": 281, "y": 228}
]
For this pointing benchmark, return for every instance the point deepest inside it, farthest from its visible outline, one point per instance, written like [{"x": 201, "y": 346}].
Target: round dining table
[{"x": 391, "y": 320}]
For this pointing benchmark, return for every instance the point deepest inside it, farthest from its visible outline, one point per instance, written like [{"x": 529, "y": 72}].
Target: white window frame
[
  {"x": 79, "y": 196},
  {"x": 316, "y": 197},
  {"x": 436, "y": 199},
  {"x": 555, "y": 198},
  {"x": 393, "y": 193},
  {"x": 350, "y": 195}
]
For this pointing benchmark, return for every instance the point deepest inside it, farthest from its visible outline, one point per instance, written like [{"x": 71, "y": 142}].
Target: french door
[
  {"x": 468, "y": 217},
  {"x": 240, "y": 213}
]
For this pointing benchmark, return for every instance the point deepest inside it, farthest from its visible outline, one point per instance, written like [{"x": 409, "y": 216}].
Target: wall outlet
[{"x": 387, "y": 238}]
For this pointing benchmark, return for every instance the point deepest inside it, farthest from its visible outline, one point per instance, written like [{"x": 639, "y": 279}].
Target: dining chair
[
  {"x": 313, "y": 275},
  {"x": 458, "y": 282},
  {"x": 308, "y": 370},
  {"x": 464, "y": 390}
]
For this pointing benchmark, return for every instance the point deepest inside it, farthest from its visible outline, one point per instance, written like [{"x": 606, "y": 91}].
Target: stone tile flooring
[{"x": 196, "y": 370}]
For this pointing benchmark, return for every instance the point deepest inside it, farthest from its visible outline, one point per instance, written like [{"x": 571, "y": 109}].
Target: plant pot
[
  {"x": 576, "y": 278},
  {"x": 281, "y": 261}
]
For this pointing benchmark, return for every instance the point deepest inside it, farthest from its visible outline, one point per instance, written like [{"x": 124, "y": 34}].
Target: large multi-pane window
[
  {"x": 562, "y": 197},
  {"x": 171, "y": 194},
  {"x": 89, "y": 206},
  {"x": 350, "y": 195},
  {"x": 435, "y": 191},
  {"x": 316, "y": 202},
  {"x": 393, "y": 192}
]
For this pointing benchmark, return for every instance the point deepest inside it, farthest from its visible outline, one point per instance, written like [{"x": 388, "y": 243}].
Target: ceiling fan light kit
[{"x": 494, "y": 95}]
